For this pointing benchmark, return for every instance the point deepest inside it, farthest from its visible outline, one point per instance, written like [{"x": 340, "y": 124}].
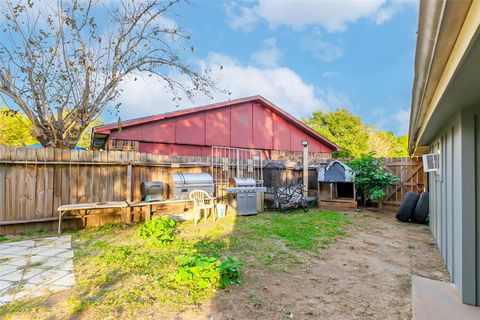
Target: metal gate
[{"x": 235, "y": 163}]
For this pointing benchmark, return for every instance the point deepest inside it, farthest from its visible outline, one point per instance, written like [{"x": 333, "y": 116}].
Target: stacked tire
[
  {"x": 420, "y": 214},
  {"x": 414, "y": 207}
]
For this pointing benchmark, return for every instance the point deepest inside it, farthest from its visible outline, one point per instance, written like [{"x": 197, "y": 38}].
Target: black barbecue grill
[{"x": 151, "y": 191}]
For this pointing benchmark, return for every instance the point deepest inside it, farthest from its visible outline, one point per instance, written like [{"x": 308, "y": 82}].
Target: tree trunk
[{"x": 50, "y": 139}]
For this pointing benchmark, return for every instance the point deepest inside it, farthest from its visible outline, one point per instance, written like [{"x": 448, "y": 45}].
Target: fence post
[{"x": 129, "y": 191}]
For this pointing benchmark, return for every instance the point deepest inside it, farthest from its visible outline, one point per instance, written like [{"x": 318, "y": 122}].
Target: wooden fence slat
[
  {"x": 58, "y": 189},
  {"x": 50, "y": 209},
  {"x": 30, "y": 185},
  {"x": 19, "y": 198},
  {"x": 89, "y": 178},
  {"x": 40, "y": 185},
  {"x": 2, "y": 186}
]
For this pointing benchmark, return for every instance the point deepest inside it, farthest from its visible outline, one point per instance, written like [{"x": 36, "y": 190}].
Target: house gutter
[
  {"x": 429, "y": 20},
  {"x": 439, "y": 29}
]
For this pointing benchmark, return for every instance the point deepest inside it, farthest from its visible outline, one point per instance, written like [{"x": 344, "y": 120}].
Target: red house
[{"x": 252, "y": 123}]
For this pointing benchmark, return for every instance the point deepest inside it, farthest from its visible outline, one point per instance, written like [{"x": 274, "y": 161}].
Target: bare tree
[{"x": 63, "y": 65}]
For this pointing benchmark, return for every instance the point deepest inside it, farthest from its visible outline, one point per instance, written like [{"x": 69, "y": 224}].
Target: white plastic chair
[{"x": 201, "y": 201}]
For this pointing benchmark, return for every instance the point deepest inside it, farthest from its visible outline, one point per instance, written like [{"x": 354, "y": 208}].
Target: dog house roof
[{"x": 335, "y": 171}]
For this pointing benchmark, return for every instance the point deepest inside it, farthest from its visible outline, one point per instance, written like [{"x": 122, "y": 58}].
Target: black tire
[
  {"x": 285, "y": 207},
  {"x": 305, "y": 205},
  {"x": 407, "y": 207},
  {"x": 420, "y": 213}
]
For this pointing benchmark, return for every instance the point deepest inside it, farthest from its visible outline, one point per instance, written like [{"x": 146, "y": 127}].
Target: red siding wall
[
  {"x": 281, "y": 133},
  {"x": 129, "y": 133},
  {"x": 262, "y": 127},
  {"x": 241, "y": 134},
  {"x": 159, "y": 131},
  {"x": 245, "y": 125},
  {"x": 190, "y": 129},
  {"x": 218, "y": 127}
]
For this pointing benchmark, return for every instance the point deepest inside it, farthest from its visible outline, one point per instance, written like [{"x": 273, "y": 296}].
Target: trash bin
[{"x": 221, "y": 210}]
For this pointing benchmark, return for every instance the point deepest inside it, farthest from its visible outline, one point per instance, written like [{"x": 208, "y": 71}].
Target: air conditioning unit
[{"x": 430, "y": 162}]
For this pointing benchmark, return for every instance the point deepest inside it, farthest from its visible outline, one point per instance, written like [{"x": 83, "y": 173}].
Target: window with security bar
[{"x": 123, "y": 145}]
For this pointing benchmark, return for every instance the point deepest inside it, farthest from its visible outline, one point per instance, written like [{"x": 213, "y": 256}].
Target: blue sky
[{"x": 302, "y": 55}]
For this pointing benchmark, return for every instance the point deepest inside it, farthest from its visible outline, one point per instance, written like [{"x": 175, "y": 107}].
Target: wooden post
[
  {"x": 238, "y": 164},
  {"x": 129, "y": 193},
  {"x": 60, "y": 216},
  {"x": 305, "y": 168},
  {"x": 148, "y": 213}
]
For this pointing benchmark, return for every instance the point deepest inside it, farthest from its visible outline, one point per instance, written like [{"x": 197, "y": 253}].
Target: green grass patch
[
  {"x": 179, "y": 265},
  {"x": 302, "y": 230}
]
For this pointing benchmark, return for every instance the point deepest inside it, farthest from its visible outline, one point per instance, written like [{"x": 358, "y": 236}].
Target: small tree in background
[
  {"x": 15, "y": 129},
  {"x": 371, "y": 177},
  {"x": 355, "y": 137},
  {"x": 342, "y": 128}
]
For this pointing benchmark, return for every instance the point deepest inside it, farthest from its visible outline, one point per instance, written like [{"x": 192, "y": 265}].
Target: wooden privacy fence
[
  {"x": 412, "y": 178},
  {"x": 35, "y": 182}
]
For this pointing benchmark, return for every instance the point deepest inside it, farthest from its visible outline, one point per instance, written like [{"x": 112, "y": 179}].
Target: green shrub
[
  {"x": 200, "y": 272},
  {"x": 371, "y": 177},
  {"x": 230, "y": 272},
  {"x": 158, "y": 229}
]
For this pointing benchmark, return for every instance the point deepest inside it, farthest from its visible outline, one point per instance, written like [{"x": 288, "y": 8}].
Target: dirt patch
[{"x": 366, "y": 275}]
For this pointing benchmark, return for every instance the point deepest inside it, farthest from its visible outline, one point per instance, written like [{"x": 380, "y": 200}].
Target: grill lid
[
  {"x": 192, "y": 178},
  {"x": 243, "y": 182},
  {"x": 151, "y": 188}
]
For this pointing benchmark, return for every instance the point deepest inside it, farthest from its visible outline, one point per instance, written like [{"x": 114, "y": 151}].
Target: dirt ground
[{"x": 365, "y": 275}]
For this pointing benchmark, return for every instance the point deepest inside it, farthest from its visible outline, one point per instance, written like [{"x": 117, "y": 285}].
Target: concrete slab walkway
[
  {"x": 439, "y": 300},
  {"x": 32, "y": 268}
]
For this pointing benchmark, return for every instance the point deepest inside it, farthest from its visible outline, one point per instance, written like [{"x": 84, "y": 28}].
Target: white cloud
[
  {"x": 332, "y": 15},
  {"x": 282, "y": 86},
  {"x": 335, "y": 99},
  {"x": 322, "y": 50},
  {"x": 387, "y": 12},
  {"x": 166, "y": 22},
  {"x": 401, "y": 119},
  {"x": 397, "y": 121},
  {"x": 241, "y": 17},
  {"x": 269, "y": 55},
  {"x": 391, "y": 8}
]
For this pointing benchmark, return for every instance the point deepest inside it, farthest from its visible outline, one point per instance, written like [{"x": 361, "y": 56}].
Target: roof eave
[{"x": 441, "y": 24}]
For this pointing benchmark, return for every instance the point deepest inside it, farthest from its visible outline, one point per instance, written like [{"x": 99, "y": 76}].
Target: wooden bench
[
  {"x": 84, "y": 208},
  {"x": 150, "y": 204}
]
